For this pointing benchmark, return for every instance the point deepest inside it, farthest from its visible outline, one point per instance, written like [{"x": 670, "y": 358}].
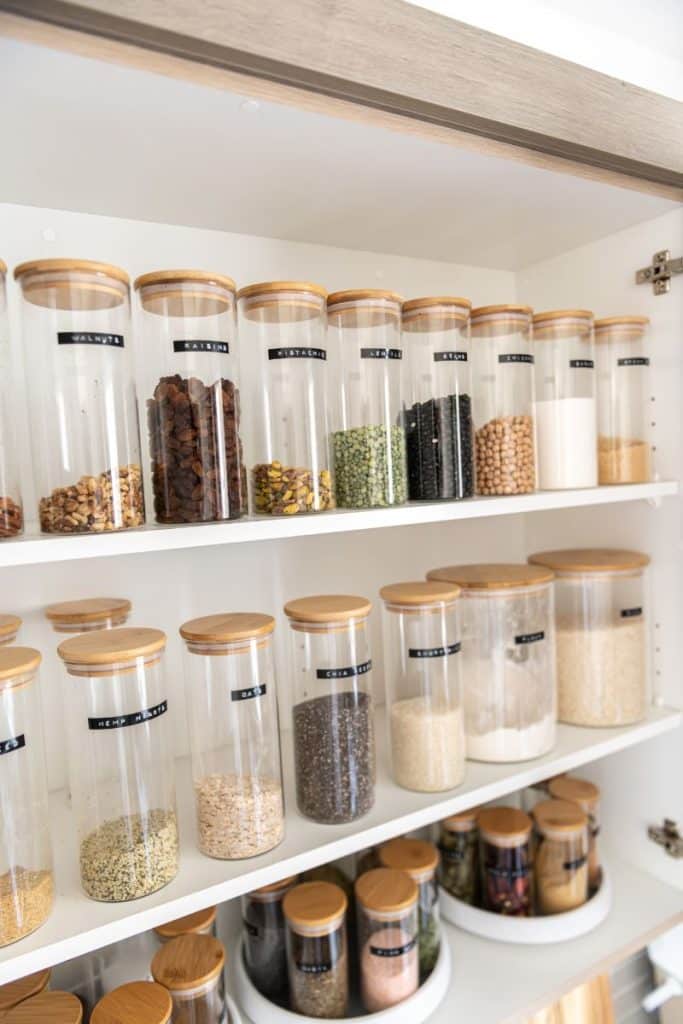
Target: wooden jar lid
[
  {"x": 327, "y": 608},
  {"x": 504, "y": 823},
  {"x": 621, "y": 321},
  {"x": 47, "y": 1008},
  {"x": 228, "y": 628},
  {"x": 363, "y": 295},
  {"x": 268, "y": 287},
  {"x": 580, "y": 560},
  {"x": 420, "y": 592},
  {"x": 201, "y": 921},
  {"x": 436, "y": 313},
  {"x": 417, "y": 858},
  {"x": 577, "y": 791},
  {"x": 464, "y": 821},
  {"x": 188, "y": 962},
  {"x": 562, "y": 314},
  {"x": 364, "y": 307},
  {"x": 493, "y": 576},
  {"x": 502, "y": 309},
  {"x": 620, "y": 328},
  {"x": 314, "y": 905},
  {"x": 90, "y": 609},
  {"x": 282, "y": 302},
  {"x": 559, "y": 816},
  {"x": 202, "y": 297},
  {"x": 61, "y": 291},
  {"x": 386, "y": 891},
  {"x": 9, "y": 626},
  {"x": 15, "y": 663},
  {"x": 110, "y": 646},
  {"x": 269, "y": 890},
  {"x": 556, "y": 324},
  {"x": 3, "y": 268},
  {"x": 184, "y": 277},
  {"x": 17, "y": 991},
  {"x": 138, "y": 1002}
]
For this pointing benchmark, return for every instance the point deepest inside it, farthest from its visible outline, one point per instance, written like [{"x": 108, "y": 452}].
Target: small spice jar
[
  {"x": 334, "y": 737},
  {"x": 283, "y": 324},
  {"x": 437, "y": 409},
  {"x": 47, "y": 1008},
  {"x": 263, "y": 933},
  {"x": 82, "y": 400},
  {"x": 137, "y": 1002},
  {"x": 386, "y": 906},
  {"x": 459, "y": 861},
  {"x": 235, "y": 740},
  {"x": 505, "y": 861},
  {"x": 317, "y": 954},
  {"x": 124, "y": 789},
  {"x": 423, "y": 684},
  {"x": 26, "y": 882},
  {"x": 585, "y": 795},
  {"x": 203, "y": 922},
  {"x": 11, "y": 511},
  {"x": 503, "y": 374},
  {"x": 623, "y": 392},
  {"x": 18, "y": 991},
  {"x": 601, "y": 634},
  {"x": 364, "y": 328},
  {"x": 565, "y": 409},
  {"x": 420, "y": 860},
  {"x": 561, "y": 860},
  {"x": 508, "y": 659},
  {"x": 191, "y": 968},
  {"x": 9, "y": 628},
  {"x": 188, "y": 325},
  {"x": 88, "y": 614}
]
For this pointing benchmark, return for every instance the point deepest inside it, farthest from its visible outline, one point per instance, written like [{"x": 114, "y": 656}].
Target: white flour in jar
[
  {"x": 513, "y": 744},
  {"x": 510, "y": 709},
  {"x": 567, "y": 443}
]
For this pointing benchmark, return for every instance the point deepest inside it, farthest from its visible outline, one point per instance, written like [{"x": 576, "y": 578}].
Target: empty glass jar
[
  {"x": 232, "y": 709},
  {"x": 263, "y": 933},
  {"x": 124, "y": 790},
  {"x": 317, "y": 955},
  {"x": 11, "y": 511},
  {"x": 334, "y": 738},
  {"x": 505, "y": 861},
  {"x": 420, "y": 860},
  {"x": 81, "y": 394},
  {"x": 387, "y": 922},
  {"x": 9, "y": 628},
  {"x": 459, "y": 849},
  {"x": 191, "y": 968},
  {"x": 623, "y": 394},
  {"x": 369, "y": 446},
  {"x": 89, "y": 614},
  {"x": 585, "y": 795},
  {"x": 423, "y": 686},
  {"x": 134, "y": 1003},
  {"x": 561, "y": 856}
]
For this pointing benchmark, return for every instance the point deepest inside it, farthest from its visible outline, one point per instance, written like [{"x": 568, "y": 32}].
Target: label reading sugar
[
  {"x": 248, "y": 692},
  {"x": 89, "y": 338},
  {"x": 393, "y": 951},
  {"x": 434, "y": 652},
  {"x": 322, "y": 968},
  {"x": 250, "y": 929},
  {"x": 381, "y": 353},
  {"x": 344, "y": 673},
  {"x": 631, "y": 613},
  {"x": 450, "y": 357},
  {"x": 222, "y": 347},
  {"x": 581, "y": 364},
  {"x": 123, "y": 721},
  {"x": 515, "y": 357},
  {"x": 634, "y": 361},
  {"x": 15, "y": 743},
  {"x": 530, "y": 638},
  {"x": 295, "y": 352}
]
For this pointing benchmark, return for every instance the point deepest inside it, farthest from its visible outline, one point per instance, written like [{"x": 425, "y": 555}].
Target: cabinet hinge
[
  {"x": 668, "y": 836},
  {"x": 660, "y": 272}
]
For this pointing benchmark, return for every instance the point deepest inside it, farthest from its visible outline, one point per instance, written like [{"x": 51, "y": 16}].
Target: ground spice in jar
[
  {"x": 459, "y": 863},
  {"x": 505, "y": 860},
  {"x": 11, "y": 517},
  {"x": 238, "y": 816},
  {"x": 370, "y": 466},
  {"x": 26, "y": 899},
  {"x": 439, "y": 443},
  {"x": 130, "y": 856},
  {"x": 420, "y": 860},
  {"x": 286, "y": 490},
  {"x": 561, "y": 862},
  {"x": 94, "y": 505},
  {"x": 191, "y": 968},
  {"x": 265, "y": 955},
  {"x": 585, "y": 795},
  {"x": 505, "y": 456},
  {"x": 317, "y": 950},
  {"x": 623, "y": 460}
]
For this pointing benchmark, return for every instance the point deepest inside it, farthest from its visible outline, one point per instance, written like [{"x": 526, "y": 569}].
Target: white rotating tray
[
  {"x": 233, "y": 1013},
  {"x": 415, "y": 1010},
  {"x": 530, "y": 930}
]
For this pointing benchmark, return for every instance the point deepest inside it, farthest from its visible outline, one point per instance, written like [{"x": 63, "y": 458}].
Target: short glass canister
[
  {"x": 420, "y": 860},
  {"x": 585, "y": 795},
  {"x": 387, "y": 925},
  {"x": 560, "y": 857},
  {"x": 317, "y": 949},
  {"x": 505, "y": 859},
  {"x": 191, "y": 968}
]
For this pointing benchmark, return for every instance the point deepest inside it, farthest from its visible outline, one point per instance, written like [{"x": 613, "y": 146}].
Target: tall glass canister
[
  {"x": 235, "y": 740},
  {"x": 11, "y": 510},
  {"x": 623, "y": 360},
  {"x": 437, "y": 400},
  {"x": 192, "y": 390},
  {"x": 26, "y": 878},
  {"x": 505, "y": 861},
  {"x": 565, "y": 409},
  {"x": 334, "y": 737},
  {"x": 426, "y": 719},
  {"x": 124, "y": 789},
  {"x": 503, "y": 376},
  {"x": 369, "y": 446},
  {"x": 263, "y": 937},
  {"x": 81, "y": 394},
  {"x": 282, "y": 323}
]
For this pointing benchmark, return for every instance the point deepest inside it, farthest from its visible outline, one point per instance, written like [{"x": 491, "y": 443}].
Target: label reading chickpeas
[
  {"x": 434, "y": 652},
  {"x": 248, "y": 692},
  {"x": 15, "y": 743},
  {"x": 343, "y": 673},
  {"x": 222, "y": 347},
  {"x": 381, "y": 353},
  {"x": 450, "y": 357},
  {"x": 631, "y": 613},
  {"x": 393, "y": 951},
  {"x": 89, "y": 338},
  {"x": 297, "y": 353},
  {"x": 515, "y": 357},
  {"x": 122, "y": 721},
  {"x": 581, "y": 364},
  {"x": 530, "y": 638}
]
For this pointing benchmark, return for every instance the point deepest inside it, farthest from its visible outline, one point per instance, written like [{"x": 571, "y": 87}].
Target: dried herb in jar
[
  {"x": 459, "y": 872},
  {"x": 318, "y": 977}
]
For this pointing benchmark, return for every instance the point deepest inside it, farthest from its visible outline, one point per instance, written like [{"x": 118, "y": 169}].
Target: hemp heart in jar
[
  {"x": 459, "y": 849},
  {"x": 505, "y": 861},
  {"x": 317, "y": 949}
]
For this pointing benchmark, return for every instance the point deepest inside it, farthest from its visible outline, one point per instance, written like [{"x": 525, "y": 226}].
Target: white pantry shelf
[
  {"x": 78, "y": 924},
  {"x": 32, "y": 548}
]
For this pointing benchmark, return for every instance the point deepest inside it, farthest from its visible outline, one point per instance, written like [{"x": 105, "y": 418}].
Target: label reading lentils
[
  {"x": 15, "y": 743},
  {"x": 530, "y": 638},
  {"x": 515, "y": 357},
  {"x": 634, "y": 361},
  {"x": 381, "y": 353},
  {"x": 393, "y": 951},
  {"x": 297, "y": 353},
  {"x": 631, "y": 613},
  {"x": 248, "y": 692},
  {"x": 125, "y": 720},
  {"x": 322, "y": 968},
  {"x": 222, "y": 347},
  {"x": 581, "y": 364},
  {"x": 89, "y": 338},
  {"x": 434, "y": 652},
  {"x": 450, "y": 357},
  {"x": 343, "y": 673},
  {"x": 249, "y": 928}
]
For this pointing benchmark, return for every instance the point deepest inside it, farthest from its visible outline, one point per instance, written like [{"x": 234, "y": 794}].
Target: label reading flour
[
  {"x": 343, "y": 673},
  {"x": 222, "y": 347},
  {"x": 631, "y": 613},
  {"x": 381, "y": 353},
  {"x": 90, "y": 338},
  {"x": 515, "y": 357},
  {"x": 434, "y": 652},
  {"x": 297, "y": 353},
  {"x": 249, "y": 692},
  {"x": 15, "y": 743},
  {"x": 450, "y": 357},
  {"x": 393, "y": 951},
  {"x": 530, "y": 638},
  {"x": 634, "y": 361},
  {"x": 123, "y": 721},
  {"x": 322, "y": 968}
]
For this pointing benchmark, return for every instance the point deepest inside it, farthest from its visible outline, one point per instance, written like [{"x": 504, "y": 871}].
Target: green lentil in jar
[{"x": 370, "y": 467}]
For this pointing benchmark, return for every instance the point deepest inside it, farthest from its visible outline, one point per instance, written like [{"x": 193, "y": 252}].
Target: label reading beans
[
  {"x": 381, "y": 353},
  {"x": 530, "y": 638},
  {"x": 248, "y": 692},
  {"x": 297, "y": 353},
  {"x": 89, "y": 338},
  {"x": 634, "y": 361},
  {"x": 515, "y": 357},
  {"x": 450, "y": 357},
  {"x": 393, "y": 951},
  {"x": 631, "y": 613},
  {"x": 15, "y": 743},
  {"x": 581, "y": 364},
  {"x": 322, "y": 968},
  {"x": 344, "y": 673},
  {"x": 250, "y": 929},
  {"x": 222, "y": 347},
  {"x": 123, "y": 721},
  {"x": 434, "y": 652}
]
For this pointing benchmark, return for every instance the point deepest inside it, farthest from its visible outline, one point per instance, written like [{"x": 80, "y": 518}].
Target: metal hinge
[
  {"x": 668, "y": 836},
  {"x": 660, "y": 273}
]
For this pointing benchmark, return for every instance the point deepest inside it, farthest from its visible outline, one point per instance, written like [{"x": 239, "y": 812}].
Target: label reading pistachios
[
  {"x": 297, "y": 353},
  {"x": 634, "y": 361},
  {"x": 581, "y": 364},
  {"x": 434, "y": 652},
  {"x": 631, "y": 613},
  {"x": 381, "y": 353},
  {"x": 515, "y": 357},
  {"x": 223, "y": 347},
  {"x": 530, "y": 638},
  {"x": 248, "y": 692},
  {"x": 122, "y": 721},
  {"x": 450, "y": 357},
  {"x": 344, "y": 673},
  {"x": 89, "y": 338},
  {"x": 15, "y": 743},
  {"x": 393, "y": 951}
]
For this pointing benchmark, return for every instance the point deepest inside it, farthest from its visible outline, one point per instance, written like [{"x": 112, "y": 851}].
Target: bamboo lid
[
  {"x": 3, "y": 268},
  {"x": 110, "y": 646},
  {"x": 492, "y": 576},
  {"x": 327, "y": 608},
  {"x": 464, "y": 821},
  {"x": 90, "y": 609},
  {"x": 107, "y": 288},
  {"x": 228, "y": 628},
  {"x": 502, "y": 309},
  {"x": 183, "y": 277},
  {"x": 440, "y": 313},
  {"x": 281, "y": 302},
  {"x": 562, "y": 314},
  {"x": 188, "y": 961},
  {"x": 15, "y": 663},
  {"x": 138, "y": 1002},
  {"x": 362, "y": 295},
  {"x": 314, "y": 904},
  {"x": 504, "y": 823},
  {"x": 47, "y": 1008},
  {"x": 580, "y": 560},
  {"x": 621, "y": 328},
  {"x": 421, "y": 592},
  {"x": 414, "y": 856},
  {"x": 621, "y": 321},
  {"x": 9, "y": 626},
  {"x": 268, "y": 890},
  {"x": 386, "y": 891},
  {"x": 24, "y": 988},
  {"x": 201, "y": 921},
  {"x": 364, "y": 307},
  {"x": 201, "y": 299},
  {"x": 559, "y": 816},
  {"x": 563, "y": 323},
  {"x": 577, "y": 791},
  {"x": 410, "y": 305}
]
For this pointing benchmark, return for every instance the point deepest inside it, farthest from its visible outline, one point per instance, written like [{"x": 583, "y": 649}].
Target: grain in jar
[
  {"x": 585, "y": 795},
  {"x": 191, "y": 968},
  {"x": 137, "y": 1002},
  {"x": 561, "y": 858},
  {"x": 505, "y": 858},
  {"x": 263, "y": 931},
  {"x": 16, "y": 992},
  {"x": 46, "y": 1008},
  {"x": 9, "y": 629},
  {"x": 11, "y": 509},
  {"x": 459, "y": 856},
  {"x": 420, "y": 860},
  {"x": 387, "y": 924},
  {"x": 623, "y": 362},
  {"x": 317, "y": 954}
]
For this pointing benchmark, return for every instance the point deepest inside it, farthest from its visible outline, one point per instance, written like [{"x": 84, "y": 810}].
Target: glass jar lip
[
  {"x": 18, "y": 666},
  {"x": 419, "y": 595},
  {"x": 227, "y": 629}
]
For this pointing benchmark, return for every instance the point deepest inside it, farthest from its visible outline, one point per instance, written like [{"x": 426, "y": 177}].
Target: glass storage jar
[
  {"x": 47, "y": 1008},
  {"x": 234, "y": 734},
  {"x": 317, "y": 955},
  {"x": 334, "y": 737},
  {"x": 188, "y": 327},
  {"x": 503, "y": 375},
  {"x": 601, "y": 633},
  {"x": 81, "y": 393},
  {"x": 137, "y": 1002},
  {"x": 437, "y": 409},
  {"x": 368, "y": 442},
  {"x": 423, "y": 686},
  {"x": 587, "y": 796},
  {"x": 191, "y": 968},
  {"x": 565, "y": 410},
  {"x": 387, "y": 921},
  {"x": 88, "y": 614},
  {"x": 26, "y": 878},
  {"x": 420, "y": 860},
  {"x": 459, "y": 861},
  {"x": 124, "y": 790},
  {"x": 561, "y": 856},
  {"x": 11, "y": 510},
  {"x": 16, "y": 992},
  {"x": 202, "y": 922},
  {"x": 283, "y": 323},
  {"x": 508, "y": 659},
  {"x": 505, "y": 860},
  {"x": 623, "y": 392},
  {"x": 9, "y": 628},
  {"x": 263, "y": 938}
]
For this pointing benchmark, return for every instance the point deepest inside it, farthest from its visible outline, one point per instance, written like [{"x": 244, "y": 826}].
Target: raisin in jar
[{"x": 505, "y": 860}]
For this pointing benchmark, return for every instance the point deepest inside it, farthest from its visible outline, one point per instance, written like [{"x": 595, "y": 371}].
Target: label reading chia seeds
[
  {"x": 634, "y": 361},
  {"x": 381, "y": 353},
  {"x": 434, "y": 652},
  {"x": 343, "y": 673},
  {"x": 581, "y": 364},
  {"x": 631, "y": 613},
  {"x": 515, "y": 357},
  {"x": 322, "y": 968},
  {"x": 394, "y": 950},
  {"x": 15, "y": 743},
  {"x": 450, "y": 357},
  {"x": 248, "y": 692},
  {"x": 133, "y": 719},
  {"x": 297, "y": 353},
  {"x": 530, "y": 638},
  {"x": 89, "y": 338},
  {"x": 223, "y": 347}
]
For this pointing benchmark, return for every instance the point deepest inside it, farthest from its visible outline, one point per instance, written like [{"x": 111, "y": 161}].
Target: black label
[
  {"x": 581, "y": 364},
  {"x": 530, "y": 638},
  {"x": 249, "y": 692},
  {"x": 89, "y": 338},
  {"x": 343, "y": 673},
  {"x": 634, "y": 361},
  {"x": 510, "y": 873},
  {"x": 516, "y": 357},
  {"x": 450, "y": 357},
  {"x": 631, "y": 613},
  {"x": 321, "y": 968},
  {"x": 15, "y": 743},
  {"x": 125, "y": 720},
  {"x": 250, "y": 928},
  {"x": 434, "y": 652},
  {"x": 393, "y": 951},
  {"x": 381, "y": 353},
  {"x": 297, "y": 353},
  {"x": 223, "y": 347},
  {"x": 452, "y": 855},
  {"x": 574, "y": 865}
]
